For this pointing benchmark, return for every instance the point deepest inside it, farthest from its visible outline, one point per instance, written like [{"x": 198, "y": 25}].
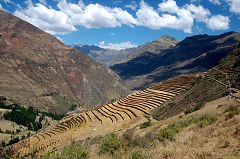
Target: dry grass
[{"x": 217, "y": 139}]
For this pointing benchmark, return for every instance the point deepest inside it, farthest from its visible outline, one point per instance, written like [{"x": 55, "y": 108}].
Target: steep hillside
[
  {"x": 216, "y": 83},
  {"x": 116, "y": 116},
  {"x": 38, "y": 70},
  {"x": 193, "y": 54},
  {"x": 110, "y": 57}
]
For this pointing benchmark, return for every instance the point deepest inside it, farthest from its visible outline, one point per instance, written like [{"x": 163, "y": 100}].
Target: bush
[
  {"x": 168, "y": 133},
  {"x": 111, "y": 144},
  {"x": 145, "y": 124},
  {"x": 231, "y": 112},
  {"x": 171, "y": 130},
  {"x": 72, "y": 152},
  {"x": 138, "y": 155},
  {"x": 204, "y": 120},
  {"x": 73, "y": 107}
]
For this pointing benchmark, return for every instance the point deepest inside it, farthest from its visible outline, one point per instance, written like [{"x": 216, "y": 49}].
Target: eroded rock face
[{"x": 38, "y": 70}]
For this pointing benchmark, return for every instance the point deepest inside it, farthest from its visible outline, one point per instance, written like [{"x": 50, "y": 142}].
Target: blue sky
[{"x": 126, "y": 23}]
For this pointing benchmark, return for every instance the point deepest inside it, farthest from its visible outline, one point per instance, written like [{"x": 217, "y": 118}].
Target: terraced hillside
[{"x": 112, "y": 117}]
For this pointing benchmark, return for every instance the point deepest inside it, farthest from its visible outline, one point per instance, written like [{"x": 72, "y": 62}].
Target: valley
[{"x": 71, "y": 88}]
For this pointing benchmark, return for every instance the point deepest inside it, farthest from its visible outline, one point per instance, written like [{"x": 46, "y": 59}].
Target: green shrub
[
  {"x": 168, "y": 133},
  {"x": 231, "y": 112},
  {"x": 111, "y": 144},
  {"x": 138, "y": 155},
  {"x": 145, "y": 124},
  {"x": 72, "y": 152},
  {"x": 73, "y": 107},
  {"x": 204, "y": 120},
  {"x": 171, "y": 130}
]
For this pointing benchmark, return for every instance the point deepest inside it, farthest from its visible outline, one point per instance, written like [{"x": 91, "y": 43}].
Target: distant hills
[
  {"x": 110, "y": 57},
  {"x": 193, "y": 54},
  {"x": 38, "y": 70}
]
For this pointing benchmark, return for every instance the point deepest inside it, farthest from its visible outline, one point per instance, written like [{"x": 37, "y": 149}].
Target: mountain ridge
[
  {"x": 110, "y": 57},
  {"x": 40, "y": 71},
  {"x": 193, "y": 54}
]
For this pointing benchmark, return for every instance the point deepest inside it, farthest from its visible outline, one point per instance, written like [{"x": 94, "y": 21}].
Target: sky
[{"x": 119, "y": 24}]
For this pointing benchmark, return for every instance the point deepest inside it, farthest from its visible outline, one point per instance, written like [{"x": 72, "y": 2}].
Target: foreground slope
[
  {"x": 38, "y": 70},
  {"x": 193, "y": 54},
  {"x": 119, "y": 115}
]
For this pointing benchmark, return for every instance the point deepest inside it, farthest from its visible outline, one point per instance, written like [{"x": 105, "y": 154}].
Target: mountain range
[
  {"x": 38, "y": 70},
  {"x": 193, "y": 54},
  {"x": 111, "y": 57}
]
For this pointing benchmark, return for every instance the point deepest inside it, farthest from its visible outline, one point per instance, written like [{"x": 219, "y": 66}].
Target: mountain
[
  {"x": 38, "y": 70},
  {"x": 193, "y": 54},
  {"x": 91, "y": 50},
  {"x": 110, "y": 57}
]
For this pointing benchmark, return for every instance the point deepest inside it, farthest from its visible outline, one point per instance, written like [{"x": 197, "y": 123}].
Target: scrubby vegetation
[
  {"x": 112, "y": 144},
  {"x": 231, "y": 112},
  {"x": 163, "y": 142},
  {"x": 75, "y": 151},
  {"x": 145, "y": 124},
  {"x": 138, "y": 154},
  {"x": 171, "y": 130}
]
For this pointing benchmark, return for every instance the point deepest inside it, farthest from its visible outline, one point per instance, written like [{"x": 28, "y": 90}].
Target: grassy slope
[{"x": 206, "y": 133}]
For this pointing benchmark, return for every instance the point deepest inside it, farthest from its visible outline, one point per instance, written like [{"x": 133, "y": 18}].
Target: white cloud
[
  {"x": 149, "y": 17},
  {"x": 116, "y": 46},
  {"x": 96, "y": 15},
  {"x": 218, "y": 22},
  {"x": 49, "y": 20},
  {"x": 200, "y": 14},
  {"x": 216, "y": 2},
  {"x": 68, "y": 16},
  {"x": 234, "y": 6},
  {"x": 169, "y": 6},
  {"x": 133, "y": 6}
]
